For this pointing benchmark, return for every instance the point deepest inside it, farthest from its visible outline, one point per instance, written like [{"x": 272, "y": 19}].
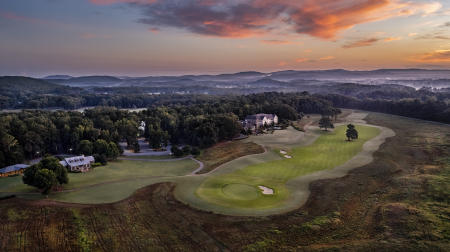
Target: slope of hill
[
  {"x": 89, "y": 81},
  {"x": 18, "y": 85}
]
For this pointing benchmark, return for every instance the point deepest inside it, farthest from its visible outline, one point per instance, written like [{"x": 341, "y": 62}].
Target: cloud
[
  {"x": 243, "y": 18},
  {"x": 368, "y": 42},
  {"x": 301, "y": 60},
  {"x": 361, "y": 43},
  {"x": 154, "y": 30},
  {"x": 282, "y": 63},
  {"x": 327, "y": 58},
  {"x": 433, "y": 57},
  {"x": 89, "y": 35},
  {"x": 108, "y": 2},
  {"x": 13, "y": 16},
  {"x": 276, "y": 42},
  {"x": 389, "y": 39},
  {"x": 412, "y": 34},
  {"x": 436, "y": 35}
]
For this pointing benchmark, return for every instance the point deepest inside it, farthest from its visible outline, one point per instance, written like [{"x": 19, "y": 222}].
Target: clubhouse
[
  {"x": 13, "y": 170},
  {"x": 78, "y": 164},
  {"x": 253, "y": 122}
]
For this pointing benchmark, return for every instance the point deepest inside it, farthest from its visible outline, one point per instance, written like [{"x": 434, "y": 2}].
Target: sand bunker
[
  {"x": 287, "y": 156},
  {"x": 283, "y": 152},
  {"x": 266, "y": 190}
]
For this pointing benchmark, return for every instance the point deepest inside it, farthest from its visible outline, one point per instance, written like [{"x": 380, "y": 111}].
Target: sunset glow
[{"x": 159, "y": 37}]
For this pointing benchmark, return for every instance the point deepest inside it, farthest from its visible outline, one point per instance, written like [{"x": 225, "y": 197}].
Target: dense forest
[
  {"x": 31, "y": 134},
  {"x": 28, "y": 93},
  {"x": 427, "y": 108}
]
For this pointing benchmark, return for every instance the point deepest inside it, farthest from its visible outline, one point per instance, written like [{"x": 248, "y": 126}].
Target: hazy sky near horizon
[{"x": 165, "y": 37}]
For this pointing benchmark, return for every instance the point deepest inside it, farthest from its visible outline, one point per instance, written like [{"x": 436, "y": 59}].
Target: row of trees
[
  {"x": 207, "y": 123},
  {"x": 32, "y": 134},
  {"x": 426, "y": 108},
  {"x": 201, "y": 123}
]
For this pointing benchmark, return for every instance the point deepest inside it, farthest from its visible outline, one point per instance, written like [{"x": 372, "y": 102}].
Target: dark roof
[{"x": 11, "y": 168}]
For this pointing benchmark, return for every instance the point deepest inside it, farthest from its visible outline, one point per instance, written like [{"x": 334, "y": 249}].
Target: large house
[
  {"x": 253, "y": 122},
  {"x": 13, "y": 170},
  {"x": 78, "y": 164}
]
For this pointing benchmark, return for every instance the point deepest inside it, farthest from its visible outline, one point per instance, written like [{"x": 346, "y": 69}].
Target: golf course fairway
[{"x": 239, "y": 189}]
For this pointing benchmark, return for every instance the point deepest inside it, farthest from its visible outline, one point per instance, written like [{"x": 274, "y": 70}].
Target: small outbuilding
[
  {"x": 78, "y": 163},
  {"x": 13, "y": 170}
]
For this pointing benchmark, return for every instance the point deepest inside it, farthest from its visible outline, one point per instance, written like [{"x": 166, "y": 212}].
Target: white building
[
  {"x": 78, "y": 164},
  {"x": 254, "y": 122}
]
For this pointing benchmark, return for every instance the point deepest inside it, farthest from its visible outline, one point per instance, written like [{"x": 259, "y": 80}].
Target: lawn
[
  {"x": 113, "y": 172},
  {"x": 328, "y": 151},
  {"x": 225, "y": 152}
]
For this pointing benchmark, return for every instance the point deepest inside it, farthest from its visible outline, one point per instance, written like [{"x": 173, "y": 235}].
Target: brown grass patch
[{"x": 225, "y": 152}]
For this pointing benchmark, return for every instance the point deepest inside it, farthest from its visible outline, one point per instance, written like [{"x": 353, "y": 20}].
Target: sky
[{"x": 174, "y": 37}]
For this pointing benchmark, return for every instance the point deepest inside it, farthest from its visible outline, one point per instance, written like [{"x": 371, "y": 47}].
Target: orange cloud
[
  {"x": 361, "y": 43},
  {"x": 154, "y": 30},
  {"x": 300, "y": 60},
  {"x": 389, "y": 39},
  {"x": 327, "y": 58},
  {"x": 318, "y": 18},
  {"x": 433, "y": 57},
  {"x": 282, "y": 63},
  {"x": 276, "y": 42}
]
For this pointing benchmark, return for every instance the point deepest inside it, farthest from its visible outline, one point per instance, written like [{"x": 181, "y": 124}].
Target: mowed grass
[
  {"x": 116, "y": 171},
  {"x": 328, "y": 151}
]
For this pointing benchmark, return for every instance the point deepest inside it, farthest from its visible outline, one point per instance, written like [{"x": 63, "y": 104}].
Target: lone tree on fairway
[
  {"x": 351, "y": 133},
  {"x": 325, "y": 122},
  {"x": 46, "y": 175}
]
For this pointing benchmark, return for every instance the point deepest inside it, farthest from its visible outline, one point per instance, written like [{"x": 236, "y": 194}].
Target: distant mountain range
[
  {"x": 321, "y": 81},
  {"x": 410, "y": 77}
]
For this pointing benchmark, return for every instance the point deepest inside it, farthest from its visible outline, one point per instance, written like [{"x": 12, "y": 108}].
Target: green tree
[
  {"x": 113, "y": 151},
  {"x": 325, "y": 123},
  {"x": 177, "y": 152},
  {"x": 195, "y": 151},
  {"x": 45, "y": 180},
  {"x": 85, "y": 147},
  {"x": 46, "y": 174},
  {"x": 52, "y": 164},
  {"x": 101, "y": 147},
  {"x": 351, "y": 132}
]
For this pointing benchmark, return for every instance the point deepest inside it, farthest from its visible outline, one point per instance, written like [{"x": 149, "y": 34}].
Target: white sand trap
[
  {"x": 283, "y": 152},
  {"x": 266, "y": 190},
  {"x": 287, "y": 156}
]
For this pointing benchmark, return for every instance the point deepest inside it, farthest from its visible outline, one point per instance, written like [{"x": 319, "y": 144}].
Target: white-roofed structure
[
  {"x": 78, "y": 164},
  {"x": 13, "y": 170}
]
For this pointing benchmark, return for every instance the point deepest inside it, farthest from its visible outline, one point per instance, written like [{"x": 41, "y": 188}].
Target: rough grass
[
  {"x": 328, "y": 151},
  {"x": 227, "y": 151},
  {"x": 383, "y": 206},
  {"x": 113, "y": 172}
]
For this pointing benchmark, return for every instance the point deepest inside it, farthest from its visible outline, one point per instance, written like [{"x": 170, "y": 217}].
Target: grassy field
[
  {"x": 398, "y": 202},
  {"x": 328, "y": 151},
  {"x": 225, "y": 152},
  {"x": 113, "y": 172}
]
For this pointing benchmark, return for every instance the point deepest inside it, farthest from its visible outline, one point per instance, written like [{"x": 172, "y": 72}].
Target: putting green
[{"x": 239, "y": 189}]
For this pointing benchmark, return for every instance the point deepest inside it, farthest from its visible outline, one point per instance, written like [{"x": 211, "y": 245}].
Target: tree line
[
  {"x": 427, "y": 108},
  {"x": 201, "y": 123}
]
